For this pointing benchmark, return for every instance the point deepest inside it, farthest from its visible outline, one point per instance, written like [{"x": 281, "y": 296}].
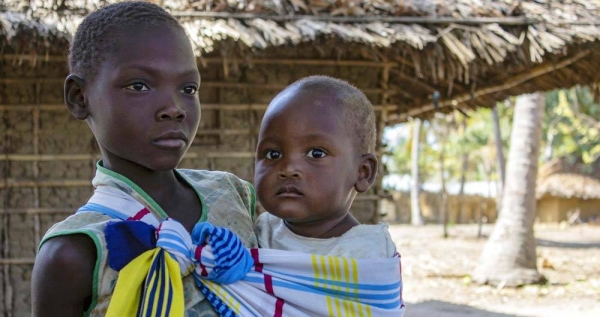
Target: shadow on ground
[
  {"x": 434, "y": 308},
  {"x": 570, "y": 245}
]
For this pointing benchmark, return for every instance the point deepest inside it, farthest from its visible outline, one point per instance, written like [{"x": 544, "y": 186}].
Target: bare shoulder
[{"x": 62, "y": 278}]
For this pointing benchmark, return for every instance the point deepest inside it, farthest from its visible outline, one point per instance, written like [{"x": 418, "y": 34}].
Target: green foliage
[
  {"x": 570, "y": 128},
  {"x": 476, "y": 139},
  {"x": 400, "y": 163},
  {"x": 402, "y": 152}
]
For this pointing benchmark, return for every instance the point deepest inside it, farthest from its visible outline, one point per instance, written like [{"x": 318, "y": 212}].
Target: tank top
[{"x": 227, "y": 201}]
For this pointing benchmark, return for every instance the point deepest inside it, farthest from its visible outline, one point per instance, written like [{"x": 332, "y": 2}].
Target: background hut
[
  {"x": 398, "y": 52},
  {"x": 466, "y": 209},
  {"x": 568, "y": 189}
]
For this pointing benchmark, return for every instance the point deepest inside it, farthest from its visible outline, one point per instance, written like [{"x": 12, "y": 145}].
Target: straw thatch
[
  {"x": 474, "y": 52},
  {"x": 569, "y": 186},
  {"x": 564, "y": 179}
]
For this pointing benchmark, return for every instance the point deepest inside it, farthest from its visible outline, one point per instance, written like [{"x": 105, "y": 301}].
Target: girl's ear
[
  {"x": 74, "y": 98},
  {"x": 367, "y": 170}
]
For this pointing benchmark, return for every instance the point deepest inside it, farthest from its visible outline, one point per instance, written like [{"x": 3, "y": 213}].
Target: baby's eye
[
  {"x": 189, "y": 90},
  {"x": 316, "y": 153},
  {"x": 137, "y": 87},
  {"x": 272, "y": 154}
]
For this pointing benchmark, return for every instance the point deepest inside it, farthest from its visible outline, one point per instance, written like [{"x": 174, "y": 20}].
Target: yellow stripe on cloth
[{"x": 150, "y": 285}]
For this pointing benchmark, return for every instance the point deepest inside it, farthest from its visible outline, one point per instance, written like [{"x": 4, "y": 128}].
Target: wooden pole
[
  {"x": 83, "y": 157},
  {"x": 204, "y": 106},
  {"x": 506, "y": 20},
  {"x": 381, "y": 124},
  {"x": 9, "y": 262},
  {"x": 205, "y": 84},
  {"x": 252, "y": 61},
  {"x": 33, "y": 211},
  {"x": 36, "y": 166},
  {"x": 7, "y": 286},
  {"x": 499, "y": 148}
]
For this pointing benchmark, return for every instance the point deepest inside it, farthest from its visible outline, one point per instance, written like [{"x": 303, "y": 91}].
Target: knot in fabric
[
  {"x": 211, "y": 253},
  {"x": 174, "y": 238},
  {"x": 222, "y": 256}
]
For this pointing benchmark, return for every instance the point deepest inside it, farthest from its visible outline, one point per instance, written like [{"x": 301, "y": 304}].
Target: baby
[{"x": 314, "y": 154}]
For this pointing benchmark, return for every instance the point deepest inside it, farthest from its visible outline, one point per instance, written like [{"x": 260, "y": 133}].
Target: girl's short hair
[{"x": 95, "y": 37}]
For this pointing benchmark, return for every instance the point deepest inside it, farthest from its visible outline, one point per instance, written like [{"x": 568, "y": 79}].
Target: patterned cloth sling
[{"x": 152, "y": 256}]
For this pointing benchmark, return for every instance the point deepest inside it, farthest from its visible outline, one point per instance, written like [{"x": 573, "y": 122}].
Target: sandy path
[{"x": 436, "y": 274}]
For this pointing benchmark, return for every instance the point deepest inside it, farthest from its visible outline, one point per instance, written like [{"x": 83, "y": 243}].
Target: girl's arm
[{"x": 62, "y": 279}]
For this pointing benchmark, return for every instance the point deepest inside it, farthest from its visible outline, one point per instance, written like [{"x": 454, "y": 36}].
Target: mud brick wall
[
  {"x": 47, "y": 158},
  {"x": 36, "y": 189}
]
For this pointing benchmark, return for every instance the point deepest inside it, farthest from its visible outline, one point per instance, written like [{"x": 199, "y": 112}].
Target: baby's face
[{"x": 306, "y": 161}]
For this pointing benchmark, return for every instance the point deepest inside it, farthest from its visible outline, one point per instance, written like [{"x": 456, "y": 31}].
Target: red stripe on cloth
[
  {"x": 268, "y": 283},
  {"x": 198, "y": 252},
  {"x": 278, "y": 308},
  {"x": 257, "y": 265},
  {"x": 279, "y": 302},
  {"x": 139, "y": 215},
  {"x": 198, "y": 255}
]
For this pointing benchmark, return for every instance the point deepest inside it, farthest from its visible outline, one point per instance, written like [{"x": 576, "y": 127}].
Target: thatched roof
[
  {"x": 474, "y": 52},
  {"x": 565, "y": 179}
]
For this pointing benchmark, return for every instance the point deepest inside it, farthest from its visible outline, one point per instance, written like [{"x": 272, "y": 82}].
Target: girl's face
[{"x": 143, "y": 103}]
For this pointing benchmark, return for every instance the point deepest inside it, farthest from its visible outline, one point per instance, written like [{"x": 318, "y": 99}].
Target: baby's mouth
[{"x": 288, "y": 190}]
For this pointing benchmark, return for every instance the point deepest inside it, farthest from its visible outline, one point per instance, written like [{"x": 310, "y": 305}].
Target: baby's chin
[{"x": 301, "y": 221}]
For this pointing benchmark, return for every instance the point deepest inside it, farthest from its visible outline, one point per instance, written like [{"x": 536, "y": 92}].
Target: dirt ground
[{"x": 436, "y": 273}]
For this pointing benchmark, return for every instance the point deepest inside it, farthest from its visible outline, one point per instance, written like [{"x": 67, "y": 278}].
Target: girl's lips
[
  {"x": 172, "y": 139},
  {"x": 170, "y": 143}
]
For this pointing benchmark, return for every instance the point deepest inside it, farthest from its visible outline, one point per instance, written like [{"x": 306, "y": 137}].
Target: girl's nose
[{"x": 173, "y": 110}]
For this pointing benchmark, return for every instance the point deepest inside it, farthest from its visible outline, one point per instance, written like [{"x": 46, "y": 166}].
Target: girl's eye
[
  {"x": 189, "y": 90},
  {"x": 272, "y": 154},
  {"x": 316, "y": 153},
  {"x": 137, "y": 87}
]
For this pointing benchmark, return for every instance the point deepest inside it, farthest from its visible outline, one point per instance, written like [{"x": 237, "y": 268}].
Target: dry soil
[{"x": 436, "y": 273}]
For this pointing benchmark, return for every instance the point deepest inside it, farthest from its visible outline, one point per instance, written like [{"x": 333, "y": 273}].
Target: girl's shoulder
[{"x": 212, "y": 178}]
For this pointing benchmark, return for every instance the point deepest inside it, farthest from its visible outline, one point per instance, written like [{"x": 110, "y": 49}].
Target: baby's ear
[
  {"x": 367, "y": 170},
  {"x": 74, "y": 98}
]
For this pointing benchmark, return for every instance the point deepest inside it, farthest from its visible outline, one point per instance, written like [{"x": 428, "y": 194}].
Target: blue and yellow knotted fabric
[
  {"x": 150, "y": 285},
  {"x": 237, "y": 281},
  {"x": 149, "y": 282}
]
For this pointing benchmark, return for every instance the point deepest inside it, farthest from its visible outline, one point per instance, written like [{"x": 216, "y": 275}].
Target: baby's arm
[{"x": 62, "y": 276}]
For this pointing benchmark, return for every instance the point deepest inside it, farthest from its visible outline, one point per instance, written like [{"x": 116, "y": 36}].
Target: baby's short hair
[
  {"x": 95, "y": 38},
  {"x": 358, "y": 109}
]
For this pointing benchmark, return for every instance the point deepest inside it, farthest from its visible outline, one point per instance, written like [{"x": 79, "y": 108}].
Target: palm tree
[
  {"x": 499, "y": 156},
  {"x": 509, "y": 257},
  {"x": 416, "y": 218},
  {"x": 464, "y": 166}
]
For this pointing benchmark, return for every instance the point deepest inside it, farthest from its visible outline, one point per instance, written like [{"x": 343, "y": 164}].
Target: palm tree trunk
[
  {"x": 548, "y": 151},
  {"x": 499, "y": 158},
  {"x": 416, "y": 219},
  {"x": 509, "y": 257},
  {"x": 498, "y": 141},
  {"x": 463, "y": 178},
  {"x": 443, "y": 192}
]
